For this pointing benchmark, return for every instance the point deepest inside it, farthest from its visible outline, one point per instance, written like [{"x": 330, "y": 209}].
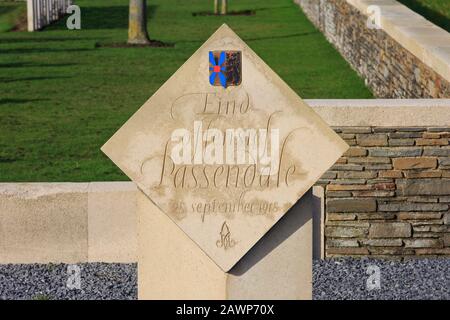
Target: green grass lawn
[
  {"x": 10, "y": 13},
  {"x": 61, "y": 97},
  {"x": 437, "y": 11}
]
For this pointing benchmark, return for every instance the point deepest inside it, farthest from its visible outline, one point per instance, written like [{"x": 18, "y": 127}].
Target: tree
[
  {"x": 224, "y": 7},
  {"x": 137, "y": 29},
  {"x": 216, "y": 6}
]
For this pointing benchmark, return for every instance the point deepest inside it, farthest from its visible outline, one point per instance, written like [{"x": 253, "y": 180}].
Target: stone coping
[
  {"x": 384, "y": 112},
  {"x": 428, "y": 42}
]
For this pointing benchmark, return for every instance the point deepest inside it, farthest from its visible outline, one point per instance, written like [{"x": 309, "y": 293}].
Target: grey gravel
[
  {"x": 346, "y": 279},
  {"x": 99, "y": 281},
  {"x": 332, "y": 279}
]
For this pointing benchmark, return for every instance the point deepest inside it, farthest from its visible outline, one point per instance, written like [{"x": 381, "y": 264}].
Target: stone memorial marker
[{"x": 224, "y": 148}]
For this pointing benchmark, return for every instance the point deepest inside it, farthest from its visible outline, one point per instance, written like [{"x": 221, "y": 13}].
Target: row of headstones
[{"x": 43, "y": 12}]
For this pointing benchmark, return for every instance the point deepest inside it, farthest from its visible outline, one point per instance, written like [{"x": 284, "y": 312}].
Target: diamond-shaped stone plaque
[{"x": 225, "y": 162}]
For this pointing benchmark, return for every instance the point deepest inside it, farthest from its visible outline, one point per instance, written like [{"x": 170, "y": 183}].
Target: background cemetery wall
[
  {"x": 388, "y": 196},
  {"x": 408, "y": 57}
]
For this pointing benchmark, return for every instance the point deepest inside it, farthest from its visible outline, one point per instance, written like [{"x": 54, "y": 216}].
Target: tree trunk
[
  {"x": 137, "y": 29},
  {"x": 216, "y": 6},
  {"x": 224, "y": 7}
]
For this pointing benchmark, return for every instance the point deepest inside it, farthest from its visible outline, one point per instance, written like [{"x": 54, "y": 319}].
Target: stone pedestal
[{"x": 172, "y": 266}]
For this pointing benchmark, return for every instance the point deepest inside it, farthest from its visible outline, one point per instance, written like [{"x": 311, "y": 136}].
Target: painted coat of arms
[{"x": 225, "y": 68}]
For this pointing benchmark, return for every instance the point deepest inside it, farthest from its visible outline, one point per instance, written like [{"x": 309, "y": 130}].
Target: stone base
[{"x": 172, "y": 266}]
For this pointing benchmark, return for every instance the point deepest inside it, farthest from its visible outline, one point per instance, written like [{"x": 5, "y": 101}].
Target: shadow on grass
[
  {"x": 428, "y": 13},
  {"x": 6, "y": 80},
  {"x": 19, "y": 101},
  {"x": 47, "y": 39},
  {"x": 34, "y": 65},
  {"x": 231, "y": 13},
  {"x": 41, "y": 50},
  {"x": 295, "y": 35}
]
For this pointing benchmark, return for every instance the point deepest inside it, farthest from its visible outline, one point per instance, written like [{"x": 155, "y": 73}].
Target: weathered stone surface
[
  {"x": 441, "y": 228},
  {"x": 395, "y": 152},
  {"x": 390, "y": 174},
  {"x": 329, "y": 175},
  {"x": 425, "y": 235},
  {"x": 438, "y": 152},
  {"x": 369, "y": 160},
  {"x": 423, "y": 243},
  {"x": 418, "y": 174},
  {"x": 412, "y": 207},
  {"x": 348, "y": 181},
  {"x": 376, "y": 216},
  {"x": 378, "y": 166},
  {"x": 339, "y": 194},
  {"x": 357, "y": 174},
  {"x": 431, "y": 142},
  {"x": 342, "y": 243},
  {"x": 444, "y": 199},
  {"x": 422, "y": 199},
  {"x": 446, "y": 240},
  {"x": 439, "y": 129},
  {"x": 411, "y": 129},
  {"x": 347, "y": 167},
  {"x": 352, "y": 224},
  {"x": 431, "y": 135},
  {"x": 425, "y": 222},
  {"x": 356, "y": 152},
  {"x": 347, "y": 136},
  {"x": 414, "y": 163},
  {"x": 356, "y": 129},
  {"x": 351, "y": 205},
  {"x": 371, "y": 140},
  {"x": 384, "y": 129},
  {"x": 401, "y": 142},
  {"x": 390, "y": 230},
  {"x": 447, "y": 218},
  {"x": 390, "y": 251},
  {"x": 384, "y": 186},
  {"x": 421, "y": 228},
  {"x": 419, "y": 215},
  {"x": 341, "y": 161},
  {"x": 444, "y": 162},
  {"x": 345, "y": 232},
  {"x": 382, "y": 242},
  {"x": 340, "y": 216},
  {"x": 338, "y": 187},
  {"x": 412, "y": 187},
  {"x": 433, "y": 251},
  {"x": 348, "y": 251},
  {"x": 374, "y": 193},
  {"x": 405, "y": 135}
]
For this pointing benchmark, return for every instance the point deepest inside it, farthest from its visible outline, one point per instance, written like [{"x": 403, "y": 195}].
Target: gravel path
[{"x": 333, "y": 279}]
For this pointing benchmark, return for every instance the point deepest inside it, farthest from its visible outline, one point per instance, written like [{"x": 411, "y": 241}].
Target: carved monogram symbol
[{"x": 225, "y": 238}]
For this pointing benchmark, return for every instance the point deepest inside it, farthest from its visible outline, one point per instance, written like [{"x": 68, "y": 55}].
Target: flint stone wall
[{"x": 408, "y": 57}]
